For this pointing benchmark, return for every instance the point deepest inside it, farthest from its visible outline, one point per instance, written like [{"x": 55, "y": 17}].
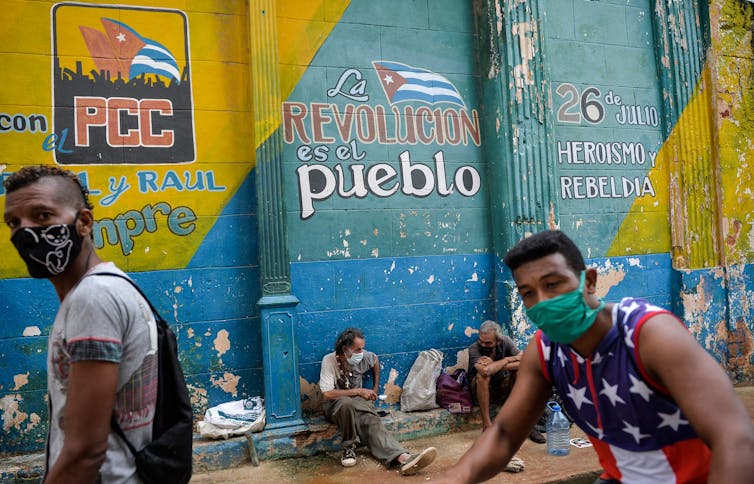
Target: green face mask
[{"x": 566, "y": 317}]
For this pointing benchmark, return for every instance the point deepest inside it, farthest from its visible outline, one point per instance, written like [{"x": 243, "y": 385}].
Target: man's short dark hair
[
  {"x": 31, "y": 174},
  {"x": 346, "y": 339},
  {"x": 541, "y": 245}
]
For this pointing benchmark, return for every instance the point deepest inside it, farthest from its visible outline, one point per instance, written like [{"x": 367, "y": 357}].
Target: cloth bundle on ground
[
  {"x": 453, "y": 392},
  {"x": 420, "y": 391},
  {"x": 233, "y": 418},
  {"x": 516, "y": 464}
]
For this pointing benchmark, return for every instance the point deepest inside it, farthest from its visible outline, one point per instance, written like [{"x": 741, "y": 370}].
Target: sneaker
[
  {"x": 349, "y": 457},
  {"x": 418, "y": 461},
  {"x": 537, "y": 437}
]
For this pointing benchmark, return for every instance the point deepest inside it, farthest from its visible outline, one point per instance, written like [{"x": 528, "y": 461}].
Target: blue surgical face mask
[
  {"x": 566, "y": 317},
  {"x": 355, "y": 358}
]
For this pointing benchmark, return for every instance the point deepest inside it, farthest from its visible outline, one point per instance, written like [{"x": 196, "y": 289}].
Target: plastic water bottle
[{"x": 558, "y": 431}]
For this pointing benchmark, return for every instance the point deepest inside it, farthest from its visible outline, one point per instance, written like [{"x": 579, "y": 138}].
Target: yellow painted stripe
[{"x": 646, "y": 228}]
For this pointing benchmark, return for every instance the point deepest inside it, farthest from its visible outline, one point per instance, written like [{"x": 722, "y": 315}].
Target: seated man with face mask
[
  {"x": 350, "y": 406},
  {"x": 493, "y": 364}
]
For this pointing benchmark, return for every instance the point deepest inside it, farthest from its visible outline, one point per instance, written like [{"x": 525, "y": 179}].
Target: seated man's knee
[{"x": 344, "y": 404}]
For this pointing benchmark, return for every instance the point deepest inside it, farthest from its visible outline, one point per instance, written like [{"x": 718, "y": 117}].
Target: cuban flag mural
[
  {"x": 123, "y": 53},
  {"x": 402, "y": 82}
]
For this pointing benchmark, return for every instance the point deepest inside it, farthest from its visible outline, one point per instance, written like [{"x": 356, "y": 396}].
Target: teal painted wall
[
  {"x": 408, "y": 261},
  {"x": 607, "y": 113}
]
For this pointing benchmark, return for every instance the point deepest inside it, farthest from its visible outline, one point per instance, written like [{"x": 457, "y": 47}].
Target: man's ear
[
  {"x": 590, "y": 283},
  {"x": 85, "y": 222}
]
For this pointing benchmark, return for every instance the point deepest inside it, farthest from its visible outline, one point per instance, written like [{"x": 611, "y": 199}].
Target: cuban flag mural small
[
  {"x": 123, "y": 53},
  {"x": 402, "y": 82}
]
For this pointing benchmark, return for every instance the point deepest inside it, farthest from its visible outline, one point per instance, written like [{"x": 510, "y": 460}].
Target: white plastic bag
[
  {"x": 233, "y": 418},
  {"x": 420, "y": 390}
]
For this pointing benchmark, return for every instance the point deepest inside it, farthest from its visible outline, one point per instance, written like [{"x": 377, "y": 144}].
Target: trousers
[{"x": 357, "y": 421}]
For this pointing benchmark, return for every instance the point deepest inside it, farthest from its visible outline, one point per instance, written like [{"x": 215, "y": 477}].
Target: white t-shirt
[
  {"x": 330, "y": 376},
  {"x": 104, "y": 318}
]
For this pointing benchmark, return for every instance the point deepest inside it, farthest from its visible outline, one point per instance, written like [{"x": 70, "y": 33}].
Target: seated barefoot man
[
  {"x": 493, "y": 364},
  {"x": 350, "y": 406}
]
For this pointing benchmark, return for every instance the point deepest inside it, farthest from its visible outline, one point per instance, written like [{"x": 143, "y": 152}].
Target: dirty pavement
[{"x": 580, "y": 466}]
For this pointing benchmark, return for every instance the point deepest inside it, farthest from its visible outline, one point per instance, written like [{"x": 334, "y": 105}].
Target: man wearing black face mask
[
  {"x": 102, "y": 347},
  {"x": 493, "y": 363}
]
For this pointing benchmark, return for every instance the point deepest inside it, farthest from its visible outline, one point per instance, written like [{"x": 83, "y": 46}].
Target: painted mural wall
[
  {"x": 636, "y": 174},
  {"x": 385, "y": 183},
  {"x": 149, "y": 103},
  {"x": 401, "y": 120}
]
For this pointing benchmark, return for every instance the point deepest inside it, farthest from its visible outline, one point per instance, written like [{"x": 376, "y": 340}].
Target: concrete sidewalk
[
  {"x": 313, "y": 455},
  {"x": 580, "y": 466}
]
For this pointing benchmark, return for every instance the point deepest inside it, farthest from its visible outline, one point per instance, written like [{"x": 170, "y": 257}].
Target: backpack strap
[
  {"x": 113, "y": 421},
  {"x": 119, "y": 431},
  {"x": 113, "y": 274}
]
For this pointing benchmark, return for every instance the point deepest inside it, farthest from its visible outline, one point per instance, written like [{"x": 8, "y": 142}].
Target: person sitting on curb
[
  {"x": 493, "y": 364},
  {"x": 350, "y": 406}
]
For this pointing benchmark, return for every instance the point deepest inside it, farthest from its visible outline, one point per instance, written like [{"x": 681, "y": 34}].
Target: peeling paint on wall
[
  {"x": 14, "y": 418},
  {"x": 469, "y": 331},
  {"x": 520, "y": 321},
  {"x": 741, "y": 352},
  {"x": 392, "y": 390},
  {"x": 522, "y": 72},
  {"x": 609, "y": 276},
  {"x": 694, "y": 307},
  {"x": 20, "y": 380},
  {"x": 31, "y": 331},
  {"x": 198, "y": 397},
  {"x": 222, "y": 343},
  {"x": 462, "y": 362},
  {"x": 228, "y": 383},
  {"x": 311, "y": 401}
]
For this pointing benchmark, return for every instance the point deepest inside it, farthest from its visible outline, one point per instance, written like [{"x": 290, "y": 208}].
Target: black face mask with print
[
  {"x": 48, "y": 251},
  {"x": 484, "y": 351}
]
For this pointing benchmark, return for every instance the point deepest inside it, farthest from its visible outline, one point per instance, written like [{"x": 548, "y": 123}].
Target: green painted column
[
  {"x": 517, "y": 116},
  {"x": 277, "y": 305},
  {"x": 518, "y": 130},
  {"x": 692, "y": 153}
]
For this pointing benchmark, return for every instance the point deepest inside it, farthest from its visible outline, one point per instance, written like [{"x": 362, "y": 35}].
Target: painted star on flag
[
  {"x": 545, "y": 351},
  {"x": 578, "y": 396},
  {"x": 562, "y": 357},
  {"x": 635, "y": 432},
  {"x": 612, "y": 392},
  {"x": 629, "y": 338},
  {"x": 597, "y": 358},
  {"x": 631, "y": 308},
  {"x": 672, "y": 420},
  {"x": 639, "y": 387}
]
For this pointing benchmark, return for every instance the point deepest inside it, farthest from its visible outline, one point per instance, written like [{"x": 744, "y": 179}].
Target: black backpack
[{"x": 167, "y": 458}]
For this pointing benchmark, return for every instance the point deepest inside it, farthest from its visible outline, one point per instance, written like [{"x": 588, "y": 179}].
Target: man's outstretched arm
[{"x": 495, "y": 447}]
